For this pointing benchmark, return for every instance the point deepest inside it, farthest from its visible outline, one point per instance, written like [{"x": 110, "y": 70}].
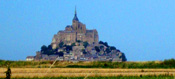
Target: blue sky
[{"x": 142, "y": 29}]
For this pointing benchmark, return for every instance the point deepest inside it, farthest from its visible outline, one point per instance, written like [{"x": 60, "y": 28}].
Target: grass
[
  {"x": 118, "y": 77},
  {"x": 92, "y": 70},
  {"x": 166, "y": 64},
  {"x": 83, "y": 72}
]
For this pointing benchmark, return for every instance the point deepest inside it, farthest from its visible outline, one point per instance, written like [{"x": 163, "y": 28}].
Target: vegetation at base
[
  {"x": 96, "y": 64},
  {"x": 151, "y": 64},
  {"x": 49, "y": 51},
  {"x": 117, "y": 77}
]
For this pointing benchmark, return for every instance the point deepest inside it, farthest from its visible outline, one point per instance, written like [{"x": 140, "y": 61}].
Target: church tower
[
  {"x": 75, "y": 16},
  {"x": 75, "y": 21},
  {"x": 77, "y": 25}
]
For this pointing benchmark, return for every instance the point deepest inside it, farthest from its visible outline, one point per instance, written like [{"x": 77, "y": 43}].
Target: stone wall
[{"x": 74, "y": 32}]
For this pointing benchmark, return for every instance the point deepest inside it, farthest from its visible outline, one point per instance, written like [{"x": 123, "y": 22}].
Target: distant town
[{"x": 77, "y": 43}]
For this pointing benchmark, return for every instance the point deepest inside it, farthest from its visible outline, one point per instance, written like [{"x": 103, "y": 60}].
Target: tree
[
  {"x": 68, "y": 48},
  {"x": 97, "y": 48},
  {"x": 118, "y": 50},
  {"x": 106, "y": 44},
  {"x": 85, "y": 44},
  {"x": 84, "y": 52},
  {"x": 73, "y": 44},
  {"x": 55, "y": 50},
  {"x": 50, "y": 47},
  {"x": 112, "y": 48},
  {"x": 101, "y": 47},
  {"x": 60, "y": 53},
  {"x": 8, "y": 73},
  {"x": 108, "y": 50},
  {"x": 61, "y": 44},
  {"x": 123, "y": 57},
  {"x": 78, "y": 41},
  {"x": 101, "y": 42},
  {"x": 49, "y": 52},
  {"x": 43, "y": 48}
]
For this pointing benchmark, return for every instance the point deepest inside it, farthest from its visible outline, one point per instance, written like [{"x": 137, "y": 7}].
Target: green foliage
[
  {"x": 47, "y": 50},
  {"x": 50, "y": 47},
  {"x": 123, "y": 57},
  {"x": 169, "y": 62},
  {"x": 97, "y": 48},
  {"x": 95, "y": 64},
  {"x": 60, "y": 53},
  {"x": 84, "y": 52},
  {"x": 73, "y": 44},
  {"x": 79, "y": 41},
  {"x": 112, "y": 48},
  {"x": 118, "y": 50},
  {"x": 61, "y": 44},
  {"x": 108, "y": 50},
  {"x": 43, "y": 48},
  {"x": 68, "y": 48},
  {"x": 104, "y": 43},
  {"x": 107, "y": 64},
  {"x": 85, "y": 44},
  {"x": 101, "y": 47}
]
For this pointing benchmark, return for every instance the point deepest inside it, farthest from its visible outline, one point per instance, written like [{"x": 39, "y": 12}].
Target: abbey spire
[{"x": 75, "y": 15}]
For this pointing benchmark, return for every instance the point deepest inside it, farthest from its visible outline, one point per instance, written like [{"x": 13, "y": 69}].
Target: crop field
[
  {"x": 84, "y": 72},
  {"x": 90, "y": 70}
]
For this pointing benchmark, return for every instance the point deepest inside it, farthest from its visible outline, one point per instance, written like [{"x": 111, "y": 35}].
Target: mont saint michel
[{"x": 77, "y": 43}]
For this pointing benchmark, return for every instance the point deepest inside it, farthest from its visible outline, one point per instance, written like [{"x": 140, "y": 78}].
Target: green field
[{"x": 96, "y": 64}]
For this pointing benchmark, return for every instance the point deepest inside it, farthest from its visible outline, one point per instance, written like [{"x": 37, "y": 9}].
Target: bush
[
  {"x": 68, "y": 48},
  {"x": 79, "y": 41},
  {"x": 85, "y": 44},
  {"x": 97, "y": 48},
  {"x": 43, "y": 48},
  {"x": 96, "y": 64},
  {"x": 169, "y": 63},
  {"x": 112, "y": 48},
  {"x": 104, "y": 43},
  {"x": 73, "y": 44},
  {"x": 108, "y": 50},
  {"x": 61, "y": 44}
]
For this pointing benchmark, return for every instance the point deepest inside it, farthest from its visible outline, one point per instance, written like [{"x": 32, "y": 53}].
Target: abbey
[
  {"x": 77, "y": 43},
  {"x": 75, "y": 32}
]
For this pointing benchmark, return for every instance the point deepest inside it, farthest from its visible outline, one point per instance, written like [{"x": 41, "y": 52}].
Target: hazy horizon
[{"x": 143, "y": 30}]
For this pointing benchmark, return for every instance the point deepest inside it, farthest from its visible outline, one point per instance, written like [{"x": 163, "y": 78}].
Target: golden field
[{"x": 82, "y": 72}]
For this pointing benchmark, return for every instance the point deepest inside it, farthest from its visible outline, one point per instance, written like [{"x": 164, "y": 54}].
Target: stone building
[
  {"x": 30, "y": 58},
  {"x": 77, "y": 35},
  {"x": 76, "y": 31}
]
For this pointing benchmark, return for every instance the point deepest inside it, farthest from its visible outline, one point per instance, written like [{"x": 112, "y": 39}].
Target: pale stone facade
[
  {"x": 72, "y": 33},
  {"x": 30, "y": 58}
]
